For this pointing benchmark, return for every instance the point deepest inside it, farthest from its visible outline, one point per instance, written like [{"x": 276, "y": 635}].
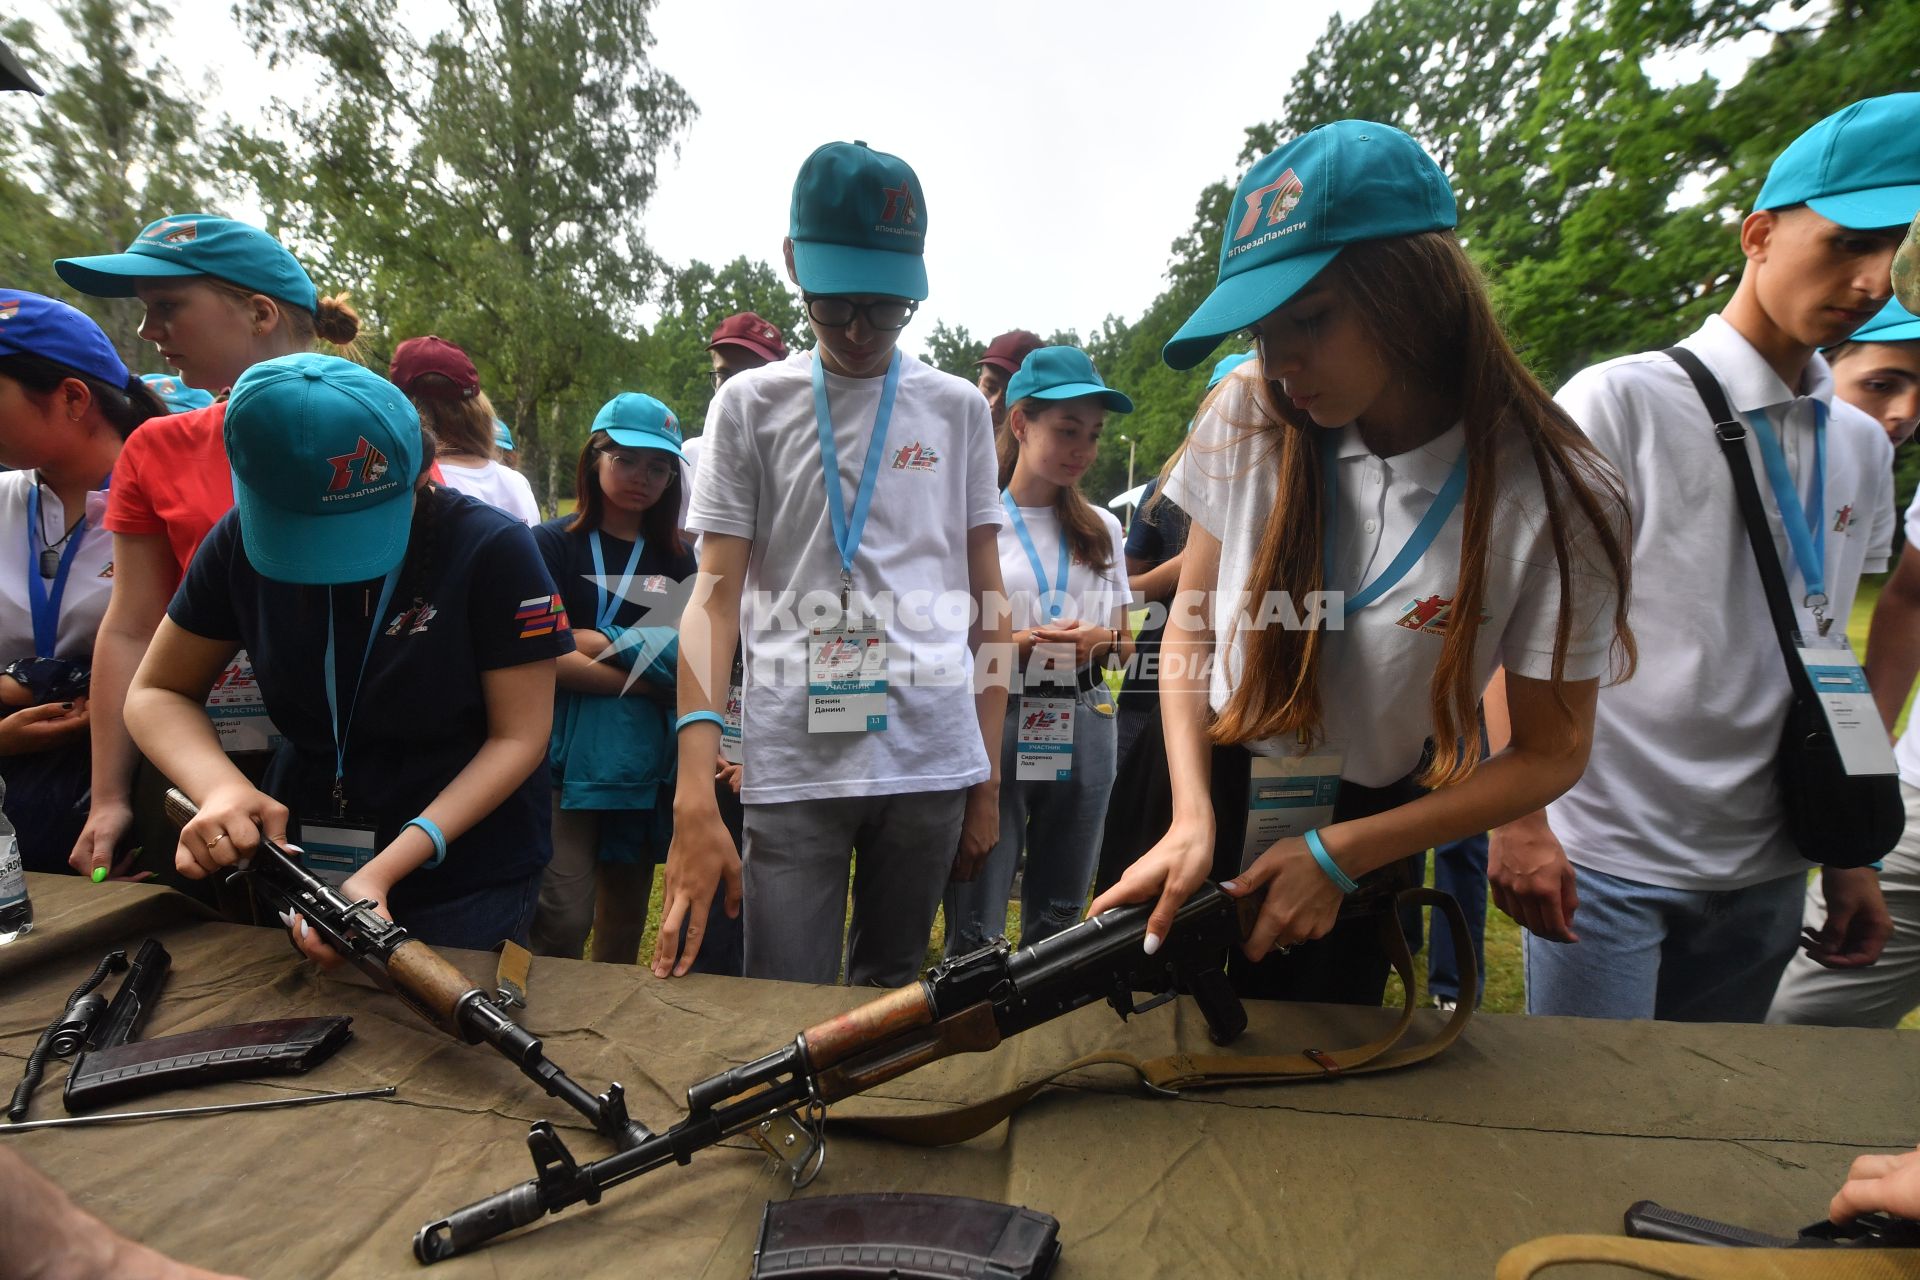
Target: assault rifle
[
  {"x": 415, "y": 972},
  {"x": 1646, "y": 1220},
  {"x": 968, "y": 1004}
]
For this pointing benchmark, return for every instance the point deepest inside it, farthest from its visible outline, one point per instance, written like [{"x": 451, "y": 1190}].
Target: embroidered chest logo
[
  {"x": 106, "y": 572},
  {"x": 541, "y": 616},
  {"x": 9, "y": 308},
  {"x": 412, "y": 621},
  {"x": 1429, "y": 615},
  {"x": 1843, "y": 519},
  {"x": 372, "y": 464},
  {"x": 916, "y": 457}
]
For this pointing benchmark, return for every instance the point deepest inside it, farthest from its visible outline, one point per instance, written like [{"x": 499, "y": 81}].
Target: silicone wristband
[
  {"x": 1327, "y": 864},
  {"x": 434, "y": 834},
  {"x": 695, "y": 717}
]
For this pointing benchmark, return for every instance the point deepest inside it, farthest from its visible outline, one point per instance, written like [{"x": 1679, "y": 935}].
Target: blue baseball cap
[
  {"x": 35, "y": 325},
  {"x": 1226, "y": 366},
  {"x": 502, "y": 436},
  {"x": 325, "y": 453},
  {"x": 177, "y": 395},
  {"x": 636, "y": 421},
  {"x": 1295, "y": 210},
  {"x": 1860, "y": 167},
  {"x": 1894, "y": 323},
  {"x": 859, "y": 224},
  {"x": 1062, "y": 373},
  {"x": 182, "y": 245}
]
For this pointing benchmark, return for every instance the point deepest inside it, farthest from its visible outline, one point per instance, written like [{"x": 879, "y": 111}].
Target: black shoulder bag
[{"x": 1835, "y": 818}]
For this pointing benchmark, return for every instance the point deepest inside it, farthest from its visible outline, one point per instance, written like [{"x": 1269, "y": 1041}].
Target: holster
[
  {"x": 915, "y": 1237},
  {"x": 287, "y": 1046}
]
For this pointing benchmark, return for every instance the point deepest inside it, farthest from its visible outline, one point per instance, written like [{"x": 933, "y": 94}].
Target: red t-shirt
[{"x": 173, "y": 478}]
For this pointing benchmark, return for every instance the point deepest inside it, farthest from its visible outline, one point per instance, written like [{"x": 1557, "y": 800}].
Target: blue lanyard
[
  {"x": 340, "y": 729},
  {"x": 605, "y": 606},
  {"x": 1806, "y": 529},
  {"x": 847, "y": 531},
  {"x": 45, "y": 607},
  {"x": 1053, "y": 597},
  {"x": 1417, "y": 543}
]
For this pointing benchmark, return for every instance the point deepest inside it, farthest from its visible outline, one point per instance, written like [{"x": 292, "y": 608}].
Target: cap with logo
[
  {"x": 1009, "y": 350},
  {"x": 1062, "y": 373},
  {"x": 325, "y": 454},
  {"x": 1227, "y": 365},
  {"x": 1860, "y": 167},
  {"x": 1295, "y": 211},
  {"x": 751, "y": 332},
  {"x": 636, "y": 421},
  {"x": 32, "y": 324},
  {"x": 417, "y": 357},
  {"x": 502, "y": 435},
  {"x": 859, "y": 224},
  {"x": 1894, "y": 323},
  {"x": 175, "y": 394},
  {"x": 182, "y": 245}
]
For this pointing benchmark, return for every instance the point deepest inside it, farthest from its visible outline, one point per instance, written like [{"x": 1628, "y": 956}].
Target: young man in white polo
[
  {"x": 835, "y": 482},
  {"x": 1664, "y": 884}
]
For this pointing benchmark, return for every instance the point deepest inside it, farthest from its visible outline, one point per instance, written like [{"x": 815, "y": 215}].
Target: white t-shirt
[
  {"x": 759, "y": 478},
  {"x": 89, "y": 581},
  {"x": 1095, "y": 595},
  {"x": 1906, "y": 752},
  {"x": 496, "y": 485},
  {"x": 1377, "y": 672},
  {"x": 1680, "y": 788},
  {"x": 690, "y": 450}
]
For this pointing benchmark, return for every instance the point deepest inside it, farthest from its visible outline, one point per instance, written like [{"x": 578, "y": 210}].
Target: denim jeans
[
  {"x": 1460, "y": 869},
  {"x": 1686, "y": 955},
  {"x": 478, "y": 921},
  {"x": 1057, "y": 823}
]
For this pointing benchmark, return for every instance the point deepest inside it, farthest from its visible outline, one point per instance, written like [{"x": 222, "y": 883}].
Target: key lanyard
[
  {"x": 340, "y": 730},
  {"x": 605, "y": 606},
  {"x": 847, "y": 529},
  {"x": 1806, "y": 530},
  {"x": 1049, "y": 597},
  {"x": 1417, "y": 543},
  {"x": 44, "y": 605}
]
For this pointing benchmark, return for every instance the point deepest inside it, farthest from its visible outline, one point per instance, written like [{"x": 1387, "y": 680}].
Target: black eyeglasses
[{"x": 887, "y": 314}]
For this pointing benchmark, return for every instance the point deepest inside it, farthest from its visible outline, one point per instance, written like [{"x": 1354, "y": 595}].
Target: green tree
[
  {"x": 952, "y": 348},
  {"x": 674, "y": 366},
  {"x": 485, "y": 182}
]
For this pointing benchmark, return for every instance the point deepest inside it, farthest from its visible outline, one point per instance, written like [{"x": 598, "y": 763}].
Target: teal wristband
[
  {"x": 434, "y": 834},
  {"x": 695, "y": 717},
  {"x": 1327, "y": 864}
]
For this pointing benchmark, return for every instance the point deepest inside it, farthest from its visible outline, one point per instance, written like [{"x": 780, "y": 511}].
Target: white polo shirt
[
  {"x": 759, "y": 477},
  {"x": 1680, "y": 788},
  {"x": 1095, "y": 594},
  {"x": 1377, "y": 672},
  {"x": 89, "y": 581}
]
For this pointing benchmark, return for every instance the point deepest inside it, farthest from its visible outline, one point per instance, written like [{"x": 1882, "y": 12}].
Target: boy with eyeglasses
[{"x": 849, "y": 494}]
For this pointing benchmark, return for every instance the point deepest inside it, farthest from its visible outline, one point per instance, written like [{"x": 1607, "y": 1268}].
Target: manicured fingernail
[
  {"x": 1152, "y": 944},
  {"x": 286, "y": 918},
  {"x": 99, "y": 874},
  {"x": 1230, "y": 886},
  {"x": 304, "y": 931}
]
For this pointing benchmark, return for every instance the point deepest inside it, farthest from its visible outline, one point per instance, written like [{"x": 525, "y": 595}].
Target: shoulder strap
[
  {"x": 1732, "y": 434},
  {"x": 1704, "y": 1262}
]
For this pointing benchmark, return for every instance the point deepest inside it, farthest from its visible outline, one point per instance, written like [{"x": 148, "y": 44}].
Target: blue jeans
[
  {"x": 1460, "y": 869},
  {"x": 1058, "y": 823},
  {"x": 478, "y": 921},
  {"x": 1686, "y": 955}
]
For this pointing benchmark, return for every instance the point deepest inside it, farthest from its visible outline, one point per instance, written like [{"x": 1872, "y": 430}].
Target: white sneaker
[{"x": 1445, "y": 1005}]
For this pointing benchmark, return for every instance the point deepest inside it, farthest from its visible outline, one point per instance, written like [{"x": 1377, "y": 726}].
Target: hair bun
[{"x": 335, "y": 321}]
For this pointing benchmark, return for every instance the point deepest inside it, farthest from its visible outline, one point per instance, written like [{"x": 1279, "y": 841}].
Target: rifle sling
[
  {"x": 1216, "y": 1070},
  {"x": 1705, "y": 1262}
]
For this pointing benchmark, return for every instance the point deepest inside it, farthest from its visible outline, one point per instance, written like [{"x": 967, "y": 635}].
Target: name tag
[
  {"x": 1288, "y": 796},
  {"x": 1854, "y": 721},
  {"x": 730, "y": 749},
  {"x": 238, "y": 713},
  {"x": 1044, "y": 750},
  {"x": 335, "y": 849},
  {"x": 847, "y": 679}
]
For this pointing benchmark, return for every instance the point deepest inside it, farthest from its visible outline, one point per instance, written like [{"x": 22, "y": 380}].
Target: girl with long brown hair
[{"x": 1386, "y": 509}]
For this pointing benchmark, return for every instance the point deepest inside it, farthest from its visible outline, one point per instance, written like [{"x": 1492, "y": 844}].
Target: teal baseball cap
[
  {"x": 1894, "y": 323},
  {"x": 181, "y": 245},
  {"x": 175, "y": 394},
  {"x": 1062, "y": 373},
  {"x": 1295, "y": 210},
  {"x": 1226, "y": 366},
  {"x": 1860, "y": 167},
  {"x": 636, "y": 421},
  {"x": 502, "y": 436},
  {"x": 859, "y": 224},
  {"x": 325, "y": 453}
]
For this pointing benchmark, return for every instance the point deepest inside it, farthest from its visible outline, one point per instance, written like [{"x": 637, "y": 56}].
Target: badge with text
[
  {"x": 1865, "y": 747},
  {"x": 847, "y": 679},
  {"x": 1289, "y": 796},
  {"x": 1045, "y": 746},
  {"x": 730, "y": 728},
  {"x": 238, "y": 712},
  {"x": 336, "y": 848}
]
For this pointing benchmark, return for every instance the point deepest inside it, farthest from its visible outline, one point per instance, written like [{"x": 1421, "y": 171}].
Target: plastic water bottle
[{"x": 16, "y": 909}]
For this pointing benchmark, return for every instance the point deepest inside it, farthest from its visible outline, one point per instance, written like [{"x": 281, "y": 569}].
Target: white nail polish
[
  {"x": 286, "y": 918},
  {"x": 1230, "y": 886},
  {"x": 304, "y": 931},
  {"x": 1152, "y": 944}
]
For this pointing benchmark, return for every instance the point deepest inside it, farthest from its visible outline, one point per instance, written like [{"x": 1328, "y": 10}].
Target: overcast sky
[{"x": 1061, "y": 145}]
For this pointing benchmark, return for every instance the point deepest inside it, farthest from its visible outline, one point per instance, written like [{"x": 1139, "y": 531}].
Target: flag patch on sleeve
[{"x": 541, "y": 616}]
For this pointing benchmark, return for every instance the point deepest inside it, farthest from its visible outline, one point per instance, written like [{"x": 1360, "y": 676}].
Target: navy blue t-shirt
[
  {"x": 1157, "y": 535},
  {"x": 569, "y": 558},
  {"x": 475, "y": 598}
]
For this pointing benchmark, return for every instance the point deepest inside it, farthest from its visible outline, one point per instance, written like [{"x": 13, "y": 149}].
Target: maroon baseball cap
[
  {"x": 417, "y": 357},
  {"x": 1009, "y": 350},
  {"x": 750, "y": 331}
]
